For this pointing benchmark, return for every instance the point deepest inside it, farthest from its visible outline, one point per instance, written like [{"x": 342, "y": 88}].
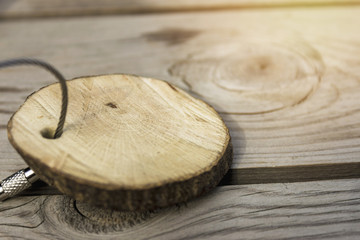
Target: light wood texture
[
  {"x": 316, "y": 210},
  {"x": 299, "y": 110},
  {"x": 12, "y": 9},
  {"x": 128, "y": 143},
  {"x": 310, "y": 133}
]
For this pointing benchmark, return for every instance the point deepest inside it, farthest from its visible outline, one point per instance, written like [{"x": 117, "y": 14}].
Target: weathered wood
[
  {"x": 299, "y": 109},
  {"x": 11, "y": 9},
  {"x": 316, "y": 210},
  {"x": 129, "y": 142}
]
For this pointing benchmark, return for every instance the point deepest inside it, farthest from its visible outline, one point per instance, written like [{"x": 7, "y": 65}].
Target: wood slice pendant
[{"x": 129, "y": 143}]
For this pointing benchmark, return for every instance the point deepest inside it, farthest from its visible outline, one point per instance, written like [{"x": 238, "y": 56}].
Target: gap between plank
[
  {"x": 288, "y": 174},
  {"x": 266, "y": 175},
  {"x": 25, "y": 10}
]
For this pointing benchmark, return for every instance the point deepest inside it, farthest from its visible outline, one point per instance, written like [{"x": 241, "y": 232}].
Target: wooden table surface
[{"x": 284, "y": 75}]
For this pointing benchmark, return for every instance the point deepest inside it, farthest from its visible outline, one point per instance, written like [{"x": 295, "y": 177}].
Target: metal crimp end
[{"x": 17, "y": 183}]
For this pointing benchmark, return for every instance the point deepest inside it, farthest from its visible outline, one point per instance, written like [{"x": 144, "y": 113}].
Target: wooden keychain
[{"x": 128, "y": 142}]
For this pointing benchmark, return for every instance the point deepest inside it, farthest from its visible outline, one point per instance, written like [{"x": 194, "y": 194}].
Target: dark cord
[{"x": 57, "y": 74}]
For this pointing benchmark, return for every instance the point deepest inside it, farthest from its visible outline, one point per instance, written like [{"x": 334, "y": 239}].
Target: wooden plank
[
  {"x": 316, "y": 210},
  {"x": 286, "y": 81},
  {"x": 43, "y": 8}
]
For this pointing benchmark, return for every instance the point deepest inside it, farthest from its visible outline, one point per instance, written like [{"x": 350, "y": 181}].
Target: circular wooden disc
[{"x": 129, "y": 142}]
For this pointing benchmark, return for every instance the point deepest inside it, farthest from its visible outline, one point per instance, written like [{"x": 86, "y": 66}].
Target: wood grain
[
  {"x": 300, "y": 108},
  {"x": 12, "y": 9},
  {"x": 316, "y": 210},
  {"x": 129, "y": 142},
  {"x": 306, "y": 133}
]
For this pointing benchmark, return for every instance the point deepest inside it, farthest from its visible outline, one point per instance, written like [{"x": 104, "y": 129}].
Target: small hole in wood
[
  {"x": 48, "y": 133},
  {"x": 112, "y": 105}
]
